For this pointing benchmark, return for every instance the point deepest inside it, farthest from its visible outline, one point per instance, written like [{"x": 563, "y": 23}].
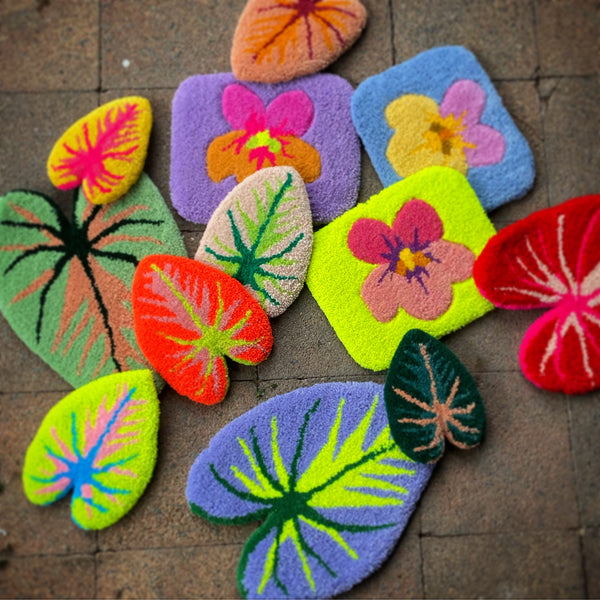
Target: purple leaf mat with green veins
[{"x": 319, "y": 467}]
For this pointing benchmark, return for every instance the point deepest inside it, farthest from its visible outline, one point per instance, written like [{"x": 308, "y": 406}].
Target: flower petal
[
  {"x": 464, "y": 96},
  {"x": 561, "y": 351},
  {"x": 408, "y": 151},
  {"x": 382, "y": 293},
  {"x": 239, "y": 104},
  {"x": 385, "y": 294},
  {"x": 418, "y": 218},
  {"x": 490, "y": 146},
  {"x": 303, "y": 157},
  {"x": 366, "y": 240},
  {"x": 293, "y": 112},
  {"x": 223, "y": 159},
  {"x": 433, "y": 300},
  {"x": 457, "y": 260}
]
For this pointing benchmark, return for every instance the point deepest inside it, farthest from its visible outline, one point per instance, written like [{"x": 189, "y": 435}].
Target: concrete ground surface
[{"x": 518, "y": 517}]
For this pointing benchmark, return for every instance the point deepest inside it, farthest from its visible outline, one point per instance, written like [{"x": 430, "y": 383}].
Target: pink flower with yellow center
[
  {"x": 416, "y": 267},
  {"x": 449, "y": 135},
  {"x": 263, "y": 136}
]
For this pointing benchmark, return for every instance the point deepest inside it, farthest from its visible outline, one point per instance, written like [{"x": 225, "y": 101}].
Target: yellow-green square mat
[{"x": 400, "y": 261}]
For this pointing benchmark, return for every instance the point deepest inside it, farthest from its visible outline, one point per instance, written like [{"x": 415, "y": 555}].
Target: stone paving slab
[
  {"x": 572, "y": 114},
  {"x": 567, "y": 34},
  {"x": 517, "y": 517},
  {"x": 584, "y": 415},
  {"x": 591, "y": 552},
  {"x": 500, "y": 32},
  {"x": 518, "y": 565},
  {"x": 48, "y": 577},
  {"x": 521, "y": 477},
  {"x": 48, "y": 45},
  {"x": 205, "y": 572}
]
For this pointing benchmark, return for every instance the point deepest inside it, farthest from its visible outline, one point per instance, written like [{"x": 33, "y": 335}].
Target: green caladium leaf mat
[
  {"x": 66, "y": 285},
  {"x": 99, "y": 442},
  {"x": 261, "y": 234},
  {"x": 431, "y": 399}
]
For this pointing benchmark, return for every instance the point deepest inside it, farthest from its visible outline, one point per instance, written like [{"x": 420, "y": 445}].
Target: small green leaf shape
[
  {"x": 431, "y": 398},
  {"x": 99, "y": 443},
  {"x": 261, "y": 234}
]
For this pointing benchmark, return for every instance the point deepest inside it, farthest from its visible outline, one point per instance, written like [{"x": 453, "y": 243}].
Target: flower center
[
  {"x": 444, "y": 134},
  {"x": 263, "y": 139},
  {"x": 409, "y": 261},
  {"x": 305, "y": 7}
]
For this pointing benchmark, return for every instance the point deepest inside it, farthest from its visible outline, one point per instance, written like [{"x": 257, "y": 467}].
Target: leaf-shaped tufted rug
[
  {"x": 66, "y": 285},
  {"x": 100, "y": 443},
  {"x": 319, "y": 468},
  {"x": 262, "y": 235}
]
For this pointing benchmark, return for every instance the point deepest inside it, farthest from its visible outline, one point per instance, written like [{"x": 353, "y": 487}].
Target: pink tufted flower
[{"x": 415, "y": 266}]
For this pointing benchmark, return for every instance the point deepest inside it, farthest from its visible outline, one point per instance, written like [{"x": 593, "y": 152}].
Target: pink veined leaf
[
  {"x": 103, "y": 152},
  {"x": 108, "y": 427},
  {"x": 86, "y": 162}
]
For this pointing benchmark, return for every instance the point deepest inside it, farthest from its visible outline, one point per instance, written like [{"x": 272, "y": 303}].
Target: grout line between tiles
[
  {"x": 392, "y": 32},
  {"x": 96, "y": 567},
  {"x": 422, "y": 562},
  {"x": 542, "y": 103},
  {"x": 117, "y": 550},
  {"x": 148, "y": 548},
  {"x": 577, "y": 499},
  {"x": 503, "y": 532},
  {"x": 534, "y": 78},
  {"x": 363, "y": 375},
  {"x": 99, "y": 45},
  {"x": 260, "y": 379},
  {"x": 586, "y": 589},
  {"x": 47, "y": 92}
]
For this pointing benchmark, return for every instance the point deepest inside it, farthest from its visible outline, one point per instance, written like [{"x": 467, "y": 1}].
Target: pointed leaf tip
[{"x": 431, "y": 399}]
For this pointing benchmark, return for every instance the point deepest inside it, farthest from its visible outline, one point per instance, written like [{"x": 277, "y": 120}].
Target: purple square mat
[{"x": 224, "y": 130}]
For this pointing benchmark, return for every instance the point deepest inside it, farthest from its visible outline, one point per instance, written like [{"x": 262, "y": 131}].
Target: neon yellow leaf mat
[{"x": 400, "y": 261}]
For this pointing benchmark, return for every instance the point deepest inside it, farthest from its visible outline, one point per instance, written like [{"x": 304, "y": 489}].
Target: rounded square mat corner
[
  {"x": 441, "y": 108},
  {"x": 223, "y": 130},
  {"x": 400, "y": 261}
]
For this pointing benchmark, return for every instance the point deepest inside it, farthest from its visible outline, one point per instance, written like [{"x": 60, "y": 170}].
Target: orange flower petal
[
  {"x": 223, "y": 159},
  {"x": 303, "y": 157}
]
